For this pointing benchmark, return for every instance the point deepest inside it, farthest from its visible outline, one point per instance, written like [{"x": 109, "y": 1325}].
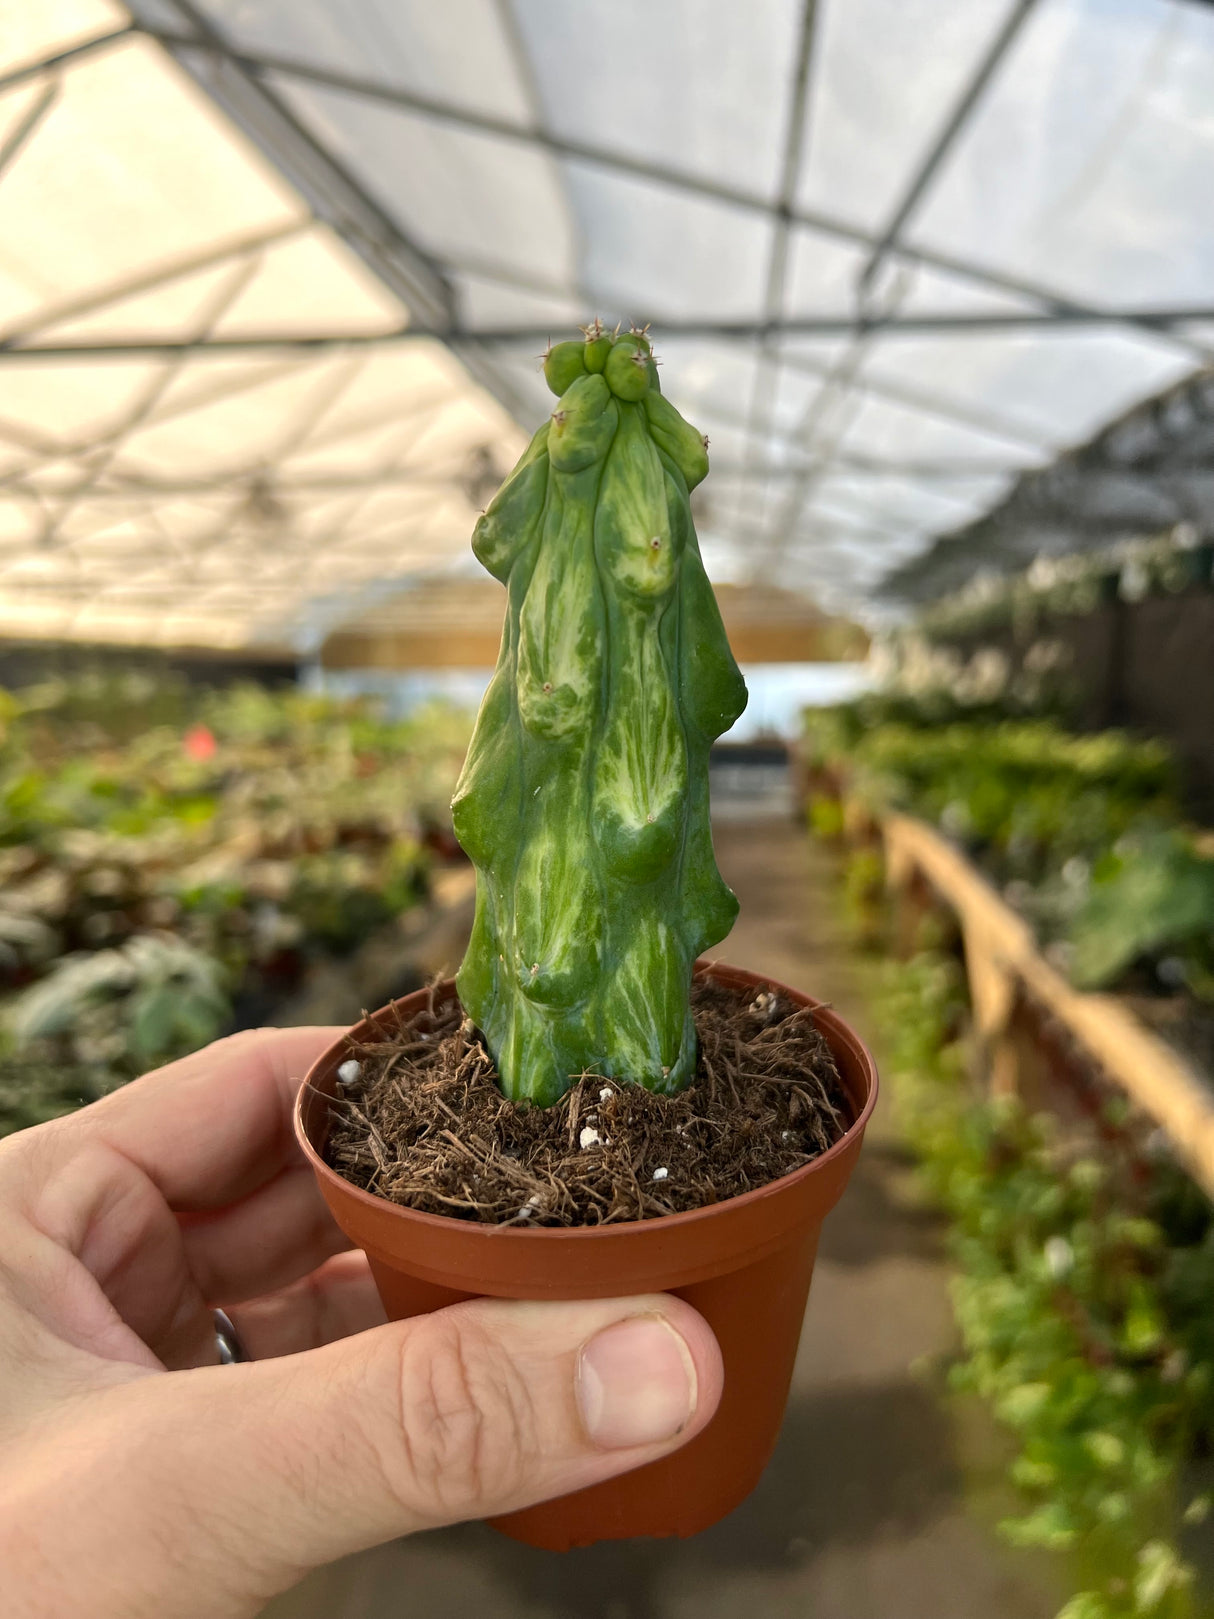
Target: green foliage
[
  {"x": 1082, "y": 1294},
  {"x": 1083, "y": 833},
  {"x": 863, "y": 895},
  {"x": 1160, "y": 565},
  {"x": 338, "y": 900},
  {"x": 584, "y": 799},
  {"x": 1085, "y": 1268},
  {"x": 1025, "y": 790},
  {"x": 165, "y": 851},
  {"x": 153, "y": 999},
  {"x": 825, "y": 816},
  {"x": 33, "y": 1091},
  {"x": 1150, "y": 893}
]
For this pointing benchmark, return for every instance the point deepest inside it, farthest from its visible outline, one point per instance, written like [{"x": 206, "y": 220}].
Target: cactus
[{"x": 583, "y": 801}]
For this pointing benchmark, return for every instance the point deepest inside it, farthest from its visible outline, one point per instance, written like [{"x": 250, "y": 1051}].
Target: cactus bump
[{"x": 583, "y": 801}]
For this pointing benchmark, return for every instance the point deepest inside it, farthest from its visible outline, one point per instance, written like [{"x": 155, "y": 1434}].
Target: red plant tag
[{"x": 199, "y": 743}]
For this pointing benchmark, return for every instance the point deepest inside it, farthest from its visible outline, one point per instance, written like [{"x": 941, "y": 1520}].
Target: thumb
[{"x": 476, "y": 1410}]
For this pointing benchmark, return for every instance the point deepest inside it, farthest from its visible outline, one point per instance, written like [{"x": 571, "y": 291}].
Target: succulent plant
[{"x": 583, "y": 801}]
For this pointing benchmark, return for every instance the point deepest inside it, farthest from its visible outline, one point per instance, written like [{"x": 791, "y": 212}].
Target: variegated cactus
[{"x": 584, "y": 797}]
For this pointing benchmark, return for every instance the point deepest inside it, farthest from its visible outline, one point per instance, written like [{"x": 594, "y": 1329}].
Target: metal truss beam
[
  {"x": 245, "y": 85},
  {"x": 28, "y": 124},
  {"x": 186, "y": 400},
  {"x": 110, "y": 444},
  {"x": 860, "y": 520},
  {"x": 332, "y": 191},
  {"x": 766, "y": 380},
  {"x": 49, "y": 451},
  {"x": 486, "y": 268},
  {"x": 255, "y": 67},
  {"x": 828, "y": 418},
  {"x": 942, "y": 145},
  {"x": 135, "y": 491},
  {"x": 164, "y": 275},
  {"x": 480, "y": 360},
  {"x": 132, "y": 487},
  {"x": 926, "y": 325},
  {"x": 506, "y": 275},
  {"x": 819, "y": 526},
  {"x": 74, "y": 53},
  {"x": 715, "y": 416},
  {"x": 972, "y": 415},
  {"x": 121, "y": 484}
]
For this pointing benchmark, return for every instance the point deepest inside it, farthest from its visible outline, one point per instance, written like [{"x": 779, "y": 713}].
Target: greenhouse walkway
[{"x": 879, "y": 1500}]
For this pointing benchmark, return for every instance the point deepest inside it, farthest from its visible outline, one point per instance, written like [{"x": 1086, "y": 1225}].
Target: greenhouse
[{"x": 577, "y": 583}]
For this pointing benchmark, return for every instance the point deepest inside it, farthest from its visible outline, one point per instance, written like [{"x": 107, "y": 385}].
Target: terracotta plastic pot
[{"x": 744, "y": 1264}]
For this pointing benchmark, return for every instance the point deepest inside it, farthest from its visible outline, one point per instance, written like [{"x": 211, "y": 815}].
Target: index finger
[{"x": 213, "y": 1127}]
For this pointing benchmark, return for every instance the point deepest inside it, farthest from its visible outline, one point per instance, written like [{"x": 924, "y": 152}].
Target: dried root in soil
[{"x": 424, "y": 1123}]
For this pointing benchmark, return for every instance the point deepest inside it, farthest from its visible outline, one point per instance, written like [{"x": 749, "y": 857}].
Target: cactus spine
[{"x": 583, "y": 801}]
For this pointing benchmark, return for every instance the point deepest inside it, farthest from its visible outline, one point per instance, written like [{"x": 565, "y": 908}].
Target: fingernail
[{"x": 636, "y": 1383}]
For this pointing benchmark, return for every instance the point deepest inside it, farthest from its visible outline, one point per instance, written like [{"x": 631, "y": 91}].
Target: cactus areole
[{"x": 583, "y": 801}]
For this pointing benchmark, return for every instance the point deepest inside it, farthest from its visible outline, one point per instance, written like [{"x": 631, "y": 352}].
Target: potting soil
[{"x": 421, "y": 1121}]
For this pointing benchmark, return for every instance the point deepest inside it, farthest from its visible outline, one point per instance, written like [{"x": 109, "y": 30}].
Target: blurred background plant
[
  {"x": 174, "y": 859},
  {"x": 1132, "y": 569},
  {"x": 1083, "y": 1250},
  {"x": 1084, "y": 1268},
  {"x": 1084, "y": 835},
  {"x": 126, "y": 1009}
]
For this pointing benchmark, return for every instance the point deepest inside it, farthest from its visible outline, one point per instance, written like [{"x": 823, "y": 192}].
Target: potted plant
[{"x": 584, "y": 805}]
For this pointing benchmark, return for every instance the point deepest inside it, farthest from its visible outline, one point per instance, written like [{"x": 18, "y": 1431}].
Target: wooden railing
[{"x": 1005, "y": 968}]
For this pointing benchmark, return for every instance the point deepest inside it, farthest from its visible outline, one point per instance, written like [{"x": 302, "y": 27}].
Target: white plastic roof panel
[
  {"x": 467, "y": 196},
  {"x": 648, "y": 248},
  {"x": 924, "y": 291},
  {"x": 884, "y": 428},
  {"x": 275, "y": 274},
  {"x": 32, "y": 33},
  {"x": 487, "y": 303},
  {"x": 1098, "y": 141},
  {"x": 207, "y": 495},
  {"x": 885, "y": 70},
  {"x": 821, "y": 274},
  {"x": 461, "y": 50},
  {"x": 671, "y": 83},
  {"x": 1062, "y": 385},
  {"x": 904, "y": 503}
]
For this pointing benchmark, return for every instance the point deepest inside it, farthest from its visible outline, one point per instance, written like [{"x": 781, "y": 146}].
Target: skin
[{"x": 138, "y": 1478}]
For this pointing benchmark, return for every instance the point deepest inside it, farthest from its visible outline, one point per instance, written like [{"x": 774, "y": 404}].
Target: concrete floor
[{"x": 879, "y": 1500}]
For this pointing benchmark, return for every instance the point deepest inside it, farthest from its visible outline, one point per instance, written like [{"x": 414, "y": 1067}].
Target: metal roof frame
[
  {"x": 1057, "y": 309},
  {"x": 1159, "y": 321},
  {"x": 1137, "y": 478},
  {"x": 243, "y": 82}
]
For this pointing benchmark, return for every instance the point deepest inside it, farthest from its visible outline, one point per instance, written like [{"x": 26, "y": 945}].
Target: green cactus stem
[{"x": 584, "y": 797}]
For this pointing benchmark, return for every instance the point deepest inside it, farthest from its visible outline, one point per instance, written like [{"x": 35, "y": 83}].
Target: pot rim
[{"x": 659, "y": 1222}]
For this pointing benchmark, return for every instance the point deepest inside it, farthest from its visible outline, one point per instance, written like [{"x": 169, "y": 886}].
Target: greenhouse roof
[
  {"x": 274, "y": 275},
  {"x": 1149, "y": 474}
]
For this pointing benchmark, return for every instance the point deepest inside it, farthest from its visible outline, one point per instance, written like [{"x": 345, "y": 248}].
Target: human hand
[{"x": 140, "y": 1480}]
